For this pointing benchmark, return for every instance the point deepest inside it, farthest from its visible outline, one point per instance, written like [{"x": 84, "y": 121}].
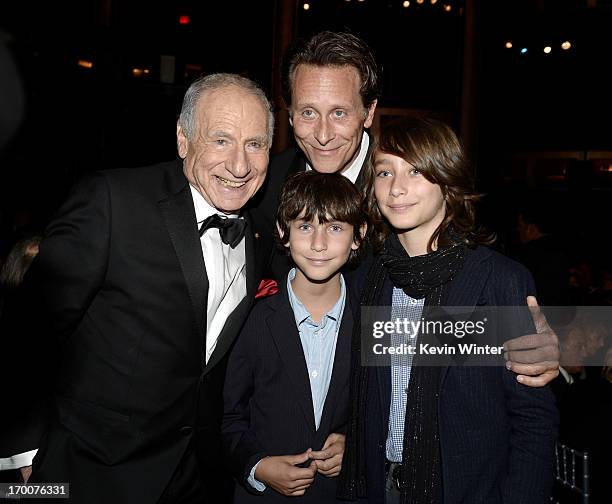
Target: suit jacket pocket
[{"x": 107, "y": 434}]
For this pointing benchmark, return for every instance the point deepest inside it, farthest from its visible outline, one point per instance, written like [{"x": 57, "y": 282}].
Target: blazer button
[{"x": 186, "y": 431}]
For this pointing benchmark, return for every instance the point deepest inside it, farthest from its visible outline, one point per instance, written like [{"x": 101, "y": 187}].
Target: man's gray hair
[{"x": 212, "y": 82}]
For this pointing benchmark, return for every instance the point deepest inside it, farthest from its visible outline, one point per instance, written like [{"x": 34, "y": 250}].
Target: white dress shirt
[
  {"x": 226, "y": 271},
  {"x": 352, "y": 172},
  {"x": 17, "y": 461}
]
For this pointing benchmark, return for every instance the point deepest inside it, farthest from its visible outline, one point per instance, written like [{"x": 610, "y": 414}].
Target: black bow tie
[{"x": 231, "y": 229}]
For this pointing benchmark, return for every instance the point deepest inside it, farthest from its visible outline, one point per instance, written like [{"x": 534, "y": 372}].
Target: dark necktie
[{"x": 231, "y": 229}]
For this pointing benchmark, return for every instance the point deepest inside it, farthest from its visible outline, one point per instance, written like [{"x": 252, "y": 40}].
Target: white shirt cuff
[
  {"x": 17, "y": 461},
  {"x": 255, "y": 483},
  {"x": 568, "y": 377}
]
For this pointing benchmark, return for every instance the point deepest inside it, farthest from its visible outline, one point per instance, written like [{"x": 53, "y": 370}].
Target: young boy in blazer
[{"x": 286, "y": 388}]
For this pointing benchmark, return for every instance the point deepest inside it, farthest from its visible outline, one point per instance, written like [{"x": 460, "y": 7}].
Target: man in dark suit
[
  {"x": 330, "y": 86},
  {"x": 145, "y": 277}
]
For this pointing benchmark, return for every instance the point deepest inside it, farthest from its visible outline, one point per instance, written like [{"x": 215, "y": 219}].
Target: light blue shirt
[
  {"x": 403, "y": 306},
  {"x": 319, "y": 346}
]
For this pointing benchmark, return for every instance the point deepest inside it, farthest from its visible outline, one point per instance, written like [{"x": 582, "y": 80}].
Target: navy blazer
[
  {"x": 267, "y": 399},
  {"x": 496, "y": 436}
]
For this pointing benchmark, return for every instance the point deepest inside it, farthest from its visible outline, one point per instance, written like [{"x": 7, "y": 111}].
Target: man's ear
[
  {"x": 182, "y": 144},
  {"x": 281, "y": 234},
  {"x": 370, "y": 114},
  {"x": 362, "y": 232}
]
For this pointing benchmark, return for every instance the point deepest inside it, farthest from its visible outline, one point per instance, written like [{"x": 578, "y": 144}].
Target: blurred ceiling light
[
  {"x": 306, "y": 6},
  {"x": 509, "y": 44},
  {"x": 406, "y": 4},
  {"x": 566, "y": 45},
  {"x": 137, "y": 72},
  {"x": 447, "y": 7},
  {"x": 547, "y": 49},
  {"x": 420, "y": 1},
  {"x": 184, "y": 20},
  {"x": 434, "y": 2},
  {"x": 85, "y": 63},
  {"x": 524, "y": 50}
]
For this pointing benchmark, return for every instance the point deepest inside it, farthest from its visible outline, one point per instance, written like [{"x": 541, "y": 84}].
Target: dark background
[{"x": 81, "y": 119}]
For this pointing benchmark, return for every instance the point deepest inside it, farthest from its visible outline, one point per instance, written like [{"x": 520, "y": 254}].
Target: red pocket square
[{"x": 267, "y": 287}]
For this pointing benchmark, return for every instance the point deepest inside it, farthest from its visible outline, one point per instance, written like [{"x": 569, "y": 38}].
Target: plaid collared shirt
[{"x": 403, "y": 307}]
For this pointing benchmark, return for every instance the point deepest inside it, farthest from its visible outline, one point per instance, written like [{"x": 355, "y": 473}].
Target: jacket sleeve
[
  {"x": 242, "y": 450},
  {"x": 46, "y": 309},
  {"x": 70, "y": 268},
  {"x": 532, "y": 412}
]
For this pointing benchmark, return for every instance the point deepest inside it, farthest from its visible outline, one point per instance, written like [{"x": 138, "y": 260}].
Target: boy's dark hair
[
  {"x": 333, "y": 49},
  {"x": 328, "y": 197}
]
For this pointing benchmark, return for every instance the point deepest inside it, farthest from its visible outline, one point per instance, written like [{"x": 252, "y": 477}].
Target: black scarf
[{"x": 421, "y": 276}]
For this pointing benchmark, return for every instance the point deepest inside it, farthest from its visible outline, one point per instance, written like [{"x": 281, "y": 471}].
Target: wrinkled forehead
[{"x": 234, "y": 107}]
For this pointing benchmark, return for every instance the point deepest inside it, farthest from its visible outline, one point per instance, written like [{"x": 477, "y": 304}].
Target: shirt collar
[
  {"x": 202, "y": 208},
  {"x": 352, "y": 172},
  {"x": 302, "y": 314}
]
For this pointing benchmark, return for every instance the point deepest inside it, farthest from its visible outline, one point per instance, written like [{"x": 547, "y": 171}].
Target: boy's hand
[
  {"x": 534, "y": 357},
  {"x": 329, "y": 458},
  {"x": 282, "y": 474}
]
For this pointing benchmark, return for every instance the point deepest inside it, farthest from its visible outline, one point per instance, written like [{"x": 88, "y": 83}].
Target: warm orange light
[
  {"x": 420, "y": 1},
  {"x": 434, "y": 2},
  {"x": 306, "y": 6},
  {"x": 547, "y": 50},
  {"x": 137, "y": 72},
  {"x": 566, "y": 45},
  {"x": 85, "y": 63},
  {"x": 447, "y": 8},
  {"x": 406, "y": 4},
  {"x": 509, "y": 45},
  {"x": 184, "y": 20}
]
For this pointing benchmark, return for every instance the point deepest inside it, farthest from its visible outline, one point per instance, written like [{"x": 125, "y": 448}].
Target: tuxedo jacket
[
  {"x": 496, "y": 436},
  {"x": 265, "y": 204},
  {"x": 124, "y": 289},
  {"x": 268, "y": 403}
]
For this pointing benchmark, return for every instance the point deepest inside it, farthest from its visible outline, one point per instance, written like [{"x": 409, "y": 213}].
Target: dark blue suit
[
  {"x": 496, "y": 435},
  {"x": 268, "y": 402}
]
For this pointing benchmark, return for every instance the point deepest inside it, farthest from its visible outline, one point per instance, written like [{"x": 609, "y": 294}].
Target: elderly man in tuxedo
[{"x": 145, "y": 278}]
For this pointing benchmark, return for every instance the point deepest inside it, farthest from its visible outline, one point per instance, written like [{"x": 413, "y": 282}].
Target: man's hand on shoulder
[
  {"x": 283, "y": 474},
  {"x": 534, "y": 357}
]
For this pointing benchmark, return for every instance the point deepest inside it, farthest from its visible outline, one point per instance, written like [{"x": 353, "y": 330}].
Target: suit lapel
[
  {"x": 287, "y": 340},
  {"x": 179, "y": 216},
  {"x": 466, "y": 288},
  {"x": 341, "y": 368},
  {"x": 298, "y": 164},
  {"x": 362, "y": 178}
]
